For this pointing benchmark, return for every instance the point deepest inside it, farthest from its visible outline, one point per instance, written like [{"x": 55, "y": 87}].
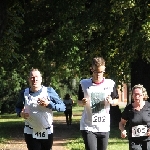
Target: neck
[
  {"x": 35, "y": 89},
  {"x": 139, "y": 105},
  {"x": 98, "y": 81}
]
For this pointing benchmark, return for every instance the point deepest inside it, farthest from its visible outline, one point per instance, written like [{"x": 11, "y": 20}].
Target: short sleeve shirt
[{"x": 135, "y": 118}]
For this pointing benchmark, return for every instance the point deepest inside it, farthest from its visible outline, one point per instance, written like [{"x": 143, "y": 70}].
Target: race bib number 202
[{"x": 102, "y": 119}]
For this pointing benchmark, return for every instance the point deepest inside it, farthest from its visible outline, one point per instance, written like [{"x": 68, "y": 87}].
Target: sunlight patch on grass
[
  {"x": 3, "y": 140},
  {"x": 113, "y": 144},
  {"x": 9, "y": 123},
  {"x": 76, "y": 144}
]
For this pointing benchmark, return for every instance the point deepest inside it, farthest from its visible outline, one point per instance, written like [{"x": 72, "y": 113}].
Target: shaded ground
[{"x": 61, "y": 133}]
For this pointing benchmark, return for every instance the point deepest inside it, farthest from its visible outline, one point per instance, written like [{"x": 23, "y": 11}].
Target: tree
[{"x": 61, "y": 37}]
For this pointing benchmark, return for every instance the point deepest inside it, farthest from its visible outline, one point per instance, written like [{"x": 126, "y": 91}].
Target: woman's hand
[
  {"x": 123, "y": 134},
  {"x": 148, "y": 132}
]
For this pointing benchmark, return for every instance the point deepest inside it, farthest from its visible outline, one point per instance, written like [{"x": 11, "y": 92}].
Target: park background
[{"x": 60, "y": 37}]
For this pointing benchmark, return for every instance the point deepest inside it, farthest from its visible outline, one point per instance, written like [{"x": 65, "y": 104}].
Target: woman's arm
[{"x": 122, "y": 124}]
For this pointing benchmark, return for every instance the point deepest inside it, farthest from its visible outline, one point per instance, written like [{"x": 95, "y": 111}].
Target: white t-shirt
[
  {"x": 39, "y": 117},
  {"x": 96, "y": 117}
]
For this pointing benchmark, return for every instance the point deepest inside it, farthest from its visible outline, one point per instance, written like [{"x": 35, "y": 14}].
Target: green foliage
[
  {"x": 11, "y": 83},
  {"x": 13, "y": 14},
  {"x": 60, "y": 39}
]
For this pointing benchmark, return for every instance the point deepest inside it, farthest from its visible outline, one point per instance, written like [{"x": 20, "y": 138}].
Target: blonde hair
[
  {"x": 139, "y": 86},
  {"x": 98, "y": 61}
]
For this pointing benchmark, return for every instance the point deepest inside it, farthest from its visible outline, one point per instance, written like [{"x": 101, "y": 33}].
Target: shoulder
[
  {"x": 85, "y": 81},
  {"x": 128, "y": 107},
  {"x": 22, "y": 92},
  {"x": 109, "y": 81},
  {"x": 49, "y": 89},
  {"x": 147, "y": 103}
]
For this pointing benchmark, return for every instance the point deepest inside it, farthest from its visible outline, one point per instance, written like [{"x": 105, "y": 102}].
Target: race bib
[
  {"x": 101, "y": 120},
  {"x": 43, "y": 134},
  {"x": 140, "y": 130}
]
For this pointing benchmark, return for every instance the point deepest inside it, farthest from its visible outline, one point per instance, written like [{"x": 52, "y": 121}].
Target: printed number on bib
[
  {"x": 100, "y": 119},
  {"x": 140, "y": 130},
  {"x": 43, "y": 134}
]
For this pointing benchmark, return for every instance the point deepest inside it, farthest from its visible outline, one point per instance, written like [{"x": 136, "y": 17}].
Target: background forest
[{"x": 60, "y": 37}]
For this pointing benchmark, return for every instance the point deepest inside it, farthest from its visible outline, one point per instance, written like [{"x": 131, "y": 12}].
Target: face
[
  {"x": 98, "y": 73},
  {"x": 137, "y": 95},
  {"x": 35, "y": 79}
]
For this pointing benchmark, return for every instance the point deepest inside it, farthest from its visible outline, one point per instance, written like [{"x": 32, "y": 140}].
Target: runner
[
  {"x": 96, "y": 94},
  {"x": 138, "y": 116},
  {"x": 68, "y": 112},
  {"x": 35, "y": 105}
]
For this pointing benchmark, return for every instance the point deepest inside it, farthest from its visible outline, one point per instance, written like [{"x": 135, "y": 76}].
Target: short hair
[
  {"x": 139, "y": 86},
  {"x": 67, "y": 96},
  {"x": 98, "y": 61},
  {"x": 34, "y": 69}
]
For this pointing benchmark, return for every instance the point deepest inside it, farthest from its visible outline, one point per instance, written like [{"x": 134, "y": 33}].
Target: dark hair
[
  {"x": 98, "y": 61},
  {"x": 67, "y": 96}
]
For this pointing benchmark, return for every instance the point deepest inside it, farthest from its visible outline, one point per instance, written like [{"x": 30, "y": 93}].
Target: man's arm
[
  {"x": 81, "y": 99},
  {"x": 20, "y": 103},
  {"x": 114, "y": 96},
  {"x": 55, "y": 102}
]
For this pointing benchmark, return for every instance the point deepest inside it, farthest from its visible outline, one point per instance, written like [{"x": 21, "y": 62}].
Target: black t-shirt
[{"x": 135, "y": 118}]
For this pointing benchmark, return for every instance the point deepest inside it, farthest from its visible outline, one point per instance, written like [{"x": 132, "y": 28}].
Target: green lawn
[
  {"x": 115, "y": 141},
  {"x": 12, "y": 126}
]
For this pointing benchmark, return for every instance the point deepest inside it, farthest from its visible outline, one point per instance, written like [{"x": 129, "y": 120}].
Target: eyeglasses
[
  {"x": 98, "y": 72},
  {"x": 137, "y": 95}
]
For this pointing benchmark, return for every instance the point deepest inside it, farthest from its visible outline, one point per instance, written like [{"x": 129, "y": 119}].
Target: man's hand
[
  {"x": 109, "y": 100},
  {"x": 43, "y": 101},
  {"x": 123, "y": 133},
  {"x": 84, "y": 101},
  {"x": 24, "y": 114}
]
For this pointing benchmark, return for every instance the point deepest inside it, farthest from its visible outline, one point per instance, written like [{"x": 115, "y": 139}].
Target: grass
[
  {"x": 12, "y": 126},
  {"x": 115, "y": 141}
]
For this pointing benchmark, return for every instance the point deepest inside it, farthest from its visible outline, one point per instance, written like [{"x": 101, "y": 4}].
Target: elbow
[{"x": 60, "y": 108}]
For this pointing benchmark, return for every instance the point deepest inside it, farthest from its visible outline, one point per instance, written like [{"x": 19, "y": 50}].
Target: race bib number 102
[{"x": 43, "y": 134}]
